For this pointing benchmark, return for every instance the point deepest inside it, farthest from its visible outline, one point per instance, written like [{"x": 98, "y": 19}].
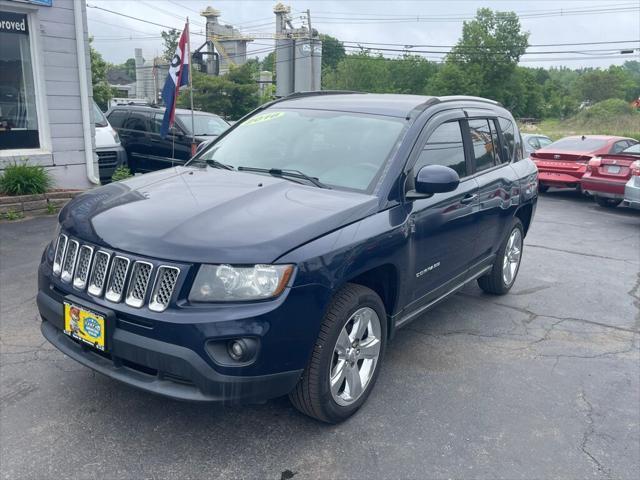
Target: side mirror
[{"x": 434, "y": 179}]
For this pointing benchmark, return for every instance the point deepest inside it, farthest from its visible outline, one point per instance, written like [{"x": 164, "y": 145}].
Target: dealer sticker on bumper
[{"x": 84, "y": 325}]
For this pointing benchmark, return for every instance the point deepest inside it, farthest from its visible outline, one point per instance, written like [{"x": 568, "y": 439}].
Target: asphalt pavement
[{"x": 541, "y": 383}]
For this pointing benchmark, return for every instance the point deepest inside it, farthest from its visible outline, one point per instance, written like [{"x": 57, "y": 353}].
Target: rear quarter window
[{"x": 512, "y": 144}]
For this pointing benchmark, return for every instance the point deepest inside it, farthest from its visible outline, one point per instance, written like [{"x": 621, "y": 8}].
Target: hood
[
  {"x": 207, "y": 215},
  {"x": 105, "y": 137}
]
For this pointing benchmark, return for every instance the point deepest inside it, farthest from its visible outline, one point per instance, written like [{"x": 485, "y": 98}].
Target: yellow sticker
[
  {"x": 84, "y": 325},
  {"x": 263, "y": 117}
]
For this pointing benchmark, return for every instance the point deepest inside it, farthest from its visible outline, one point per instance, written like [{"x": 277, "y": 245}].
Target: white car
[
  {"x": 632, "y": 187},
  {"x": 111, "y": 154}
]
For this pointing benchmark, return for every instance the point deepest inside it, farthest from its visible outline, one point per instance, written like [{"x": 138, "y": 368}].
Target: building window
[{"x": 18, "y": 116}]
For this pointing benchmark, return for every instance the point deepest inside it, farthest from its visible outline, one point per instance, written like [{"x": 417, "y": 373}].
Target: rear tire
[
  {"x": 507, "y": 263},
  {"x": 607, "y": 202},
  {"x": 344, "y": 356},
  {"x": 543, "y": 188}
]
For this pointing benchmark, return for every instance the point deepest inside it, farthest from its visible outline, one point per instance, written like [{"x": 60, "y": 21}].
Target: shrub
[
  {"x": 121, "y": 173},
  {"x": 23, "y": 179}
]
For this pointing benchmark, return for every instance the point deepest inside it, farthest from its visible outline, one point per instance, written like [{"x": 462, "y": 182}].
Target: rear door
[
  {"x": 174, "y": 149},
  {"x": 497, "y": 184},
  {"x": 444, "y": 226},
  {"x": 138, "y": 143}
]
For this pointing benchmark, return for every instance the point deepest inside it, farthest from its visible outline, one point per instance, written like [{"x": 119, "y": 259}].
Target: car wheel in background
[
  {"x": 543, "y": 188},
  {"x": 346, "y": 358},
  {"x": 607, "y": 202},
  {"x": 507, "y": 263}
]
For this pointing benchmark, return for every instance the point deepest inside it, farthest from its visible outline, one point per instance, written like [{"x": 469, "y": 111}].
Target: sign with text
[{"x": 13, "y": 23}]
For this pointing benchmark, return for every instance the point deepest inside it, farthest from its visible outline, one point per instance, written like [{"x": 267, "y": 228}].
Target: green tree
[
  {"x": 361, "y": 72},
  {"x": 598, "y": 85},
  {"x": 170, "y": 39},
  {"x": 411, "y": 74},
  {"x": 130, "y": 67},
  {"x": 332, "y": 51},
  {"x": 231, "y": 95},
  {"x": 490, "y": 48},
  {"x": 268, "y": 62},
  {"x": 102, "y": 92}
]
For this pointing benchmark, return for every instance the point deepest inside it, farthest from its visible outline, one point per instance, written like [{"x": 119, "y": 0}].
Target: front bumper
[
  {"x": 169, "y": 356},
  {"x": 109, "y": 159}
]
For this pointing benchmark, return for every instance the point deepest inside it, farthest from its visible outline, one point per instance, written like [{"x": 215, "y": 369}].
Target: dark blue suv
[{"x": 284, "y": 256}]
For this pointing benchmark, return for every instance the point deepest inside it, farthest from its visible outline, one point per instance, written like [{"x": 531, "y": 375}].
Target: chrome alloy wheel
[
  {"x": 355, "y": 356},
  {"x": 512, "y": 255}
]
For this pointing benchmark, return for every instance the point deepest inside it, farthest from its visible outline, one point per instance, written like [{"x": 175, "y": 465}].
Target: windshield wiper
[
  {"x": 284, "y": 173},
  {"x": 217, "y": 164}
]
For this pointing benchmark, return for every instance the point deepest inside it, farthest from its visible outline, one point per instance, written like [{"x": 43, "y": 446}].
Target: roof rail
[
  {"x": 311, "y": 93},
  {"x": 455, "y": 98}
]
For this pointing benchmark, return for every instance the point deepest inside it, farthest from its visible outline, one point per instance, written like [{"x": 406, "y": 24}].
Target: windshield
[
  {"x": 340, "y": 149},
  {"x": 98, "y": 117},
  {"x": 205, "y": 125},
  {"x": 577, "y": 144}
]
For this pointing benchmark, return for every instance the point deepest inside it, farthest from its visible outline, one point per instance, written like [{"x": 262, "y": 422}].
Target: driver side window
[{"x": 444, "y": 147}]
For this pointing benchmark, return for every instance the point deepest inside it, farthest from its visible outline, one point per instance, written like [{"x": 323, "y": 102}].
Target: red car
[
  {"x": 563, "y": 163},
  {"x": 608, "y": 174}
]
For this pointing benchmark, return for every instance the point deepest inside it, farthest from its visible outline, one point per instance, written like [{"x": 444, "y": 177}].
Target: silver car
[
  {"x": 632, "y": 187},
  {"x": 534, "y": 141}
]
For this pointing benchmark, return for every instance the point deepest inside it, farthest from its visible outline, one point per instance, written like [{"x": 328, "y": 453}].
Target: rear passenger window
[
  {"x": 484, "y": 150},
  {"x": 444, "y": 147},
  {"x": 501, "y": 157},
  {"x": 117, "y": 117},
  {"x": 136, "y": 121}
]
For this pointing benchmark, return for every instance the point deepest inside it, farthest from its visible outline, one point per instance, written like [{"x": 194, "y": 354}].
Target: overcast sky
[{"x": 437, "y": 22}]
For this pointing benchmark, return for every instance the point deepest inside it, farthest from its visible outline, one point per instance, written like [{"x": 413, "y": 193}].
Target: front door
[{"x": 443, "y": 226}]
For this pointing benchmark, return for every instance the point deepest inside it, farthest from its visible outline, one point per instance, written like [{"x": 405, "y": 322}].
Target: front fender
[{"x": 344, "y": 254}]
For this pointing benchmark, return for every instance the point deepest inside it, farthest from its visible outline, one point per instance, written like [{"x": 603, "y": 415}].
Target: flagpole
[{"x": 193, "y": 122}]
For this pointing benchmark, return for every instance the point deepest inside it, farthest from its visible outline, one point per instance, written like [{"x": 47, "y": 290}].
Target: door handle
[{"x": 469, "y": 198}]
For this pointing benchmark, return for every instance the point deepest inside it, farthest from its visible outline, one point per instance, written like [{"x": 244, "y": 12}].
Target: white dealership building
[{"x": 45, "y": 89}]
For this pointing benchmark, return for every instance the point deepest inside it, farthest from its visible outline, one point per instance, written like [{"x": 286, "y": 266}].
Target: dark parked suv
[
  {"x": 147, "y": 151},
  {"x": 282, "y": 258}
]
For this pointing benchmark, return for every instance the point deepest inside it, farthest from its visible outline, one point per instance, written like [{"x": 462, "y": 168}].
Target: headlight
[
  {"x": 116, "y": 137},
  {"x": 224, "y": 283}
]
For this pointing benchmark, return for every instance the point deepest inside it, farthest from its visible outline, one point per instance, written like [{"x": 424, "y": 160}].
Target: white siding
[{"x": 56, "y": 54}]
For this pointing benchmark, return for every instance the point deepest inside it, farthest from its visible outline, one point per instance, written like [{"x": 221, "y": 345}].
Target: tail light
[
  {"x": 635, "y": 168},
  {"x": 593, "y": 164}
]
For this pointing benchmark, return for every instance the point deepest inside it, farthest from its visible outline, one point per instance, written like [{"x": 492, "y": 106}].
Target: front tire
[
  {"x": 507, "y": 263},
  {"x": 607, "y": 202},
  {"x": 543, "y": 188},
  {"x": 346, "y": 358}
]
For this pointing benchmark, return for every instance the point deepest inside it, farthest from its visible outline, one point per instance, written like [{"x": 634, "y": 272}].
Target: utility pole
[{"x": 311, "y": 50}]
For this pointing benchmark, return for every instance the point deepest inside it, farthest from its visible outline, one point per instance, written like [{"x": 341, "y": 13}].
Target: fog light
[{"x": 237, "y": 350}]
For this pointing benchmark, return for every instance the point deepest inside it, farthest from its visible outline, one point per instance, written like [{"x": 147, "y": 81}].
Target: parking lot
[{"x": 541, "y": 383}]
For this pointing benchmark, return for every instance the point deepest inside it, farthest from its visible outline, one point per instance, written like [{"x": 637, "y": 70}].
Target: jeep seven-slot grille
[
  {"x": 114, "y": 275},
  {"x": 165, "y": 283},
  {"x": 82, "y": 267},
  {"x": 140, "y": 276},
  {"x": 117, "y": 278},
  {"x": 69, "y": 262},
  {"x": 98, "y": 273}
]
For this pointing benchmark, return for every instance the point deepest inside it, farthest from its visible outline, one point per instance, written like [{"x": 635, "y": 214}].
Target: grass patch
[
  {"x": 23, "y": 179},
  {"x": 610, "y": 117},
  {"x": 11, "y": 215},
  {"x": 121, "y": 173}
]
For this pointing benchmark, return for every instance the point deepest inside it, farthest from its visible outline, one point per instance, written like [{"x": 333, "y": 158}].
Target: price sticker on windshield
[{"x": 263, "y": 117}]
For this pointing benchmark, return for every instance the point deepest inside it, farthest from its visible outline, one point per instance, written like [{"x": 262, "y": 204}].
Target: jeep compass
[{"x": 283, "y": 257}]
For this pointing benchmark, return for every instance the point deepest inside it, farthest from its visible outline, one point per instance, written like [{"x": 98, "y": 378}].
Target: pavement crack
[
  {"x": 588, "y": 433},
  {"x": 582, "y": 254}
]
